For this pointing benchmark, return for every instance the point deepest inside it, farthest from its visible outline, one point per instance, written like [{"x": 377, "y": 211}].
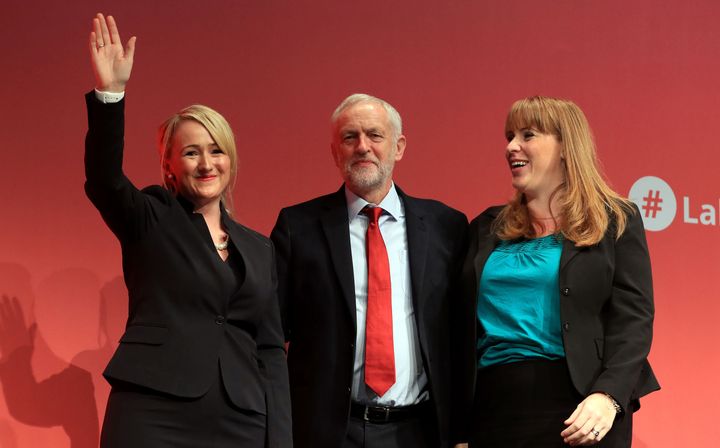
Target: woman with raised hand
[
  {"x": 559, "y": 292},
  {"x": 202, "y": 360}
]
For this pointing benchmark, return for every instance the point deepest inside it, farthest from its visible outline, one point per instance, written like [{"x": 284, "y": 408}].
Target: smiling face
[
  {"x": 365, "y": 149},
  {"x": 535, "y": 161},
  {"x": 200, "y": 169}
]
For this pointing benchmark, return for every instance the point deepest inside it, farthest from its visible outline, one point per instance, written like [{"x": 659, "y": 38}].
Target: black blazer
[
  {"x": 317, "y": 297},
  {"x": 185, "y": 314},
  {"x": 606, "y": 310}
]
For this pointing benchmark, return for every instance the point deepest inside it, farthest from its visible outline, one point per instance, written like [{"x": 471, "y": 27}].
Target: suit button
[
  {"x": 220, "y": 320},
  {"x": 566, "y": 291},
  {"x": 566, "y": 326}
]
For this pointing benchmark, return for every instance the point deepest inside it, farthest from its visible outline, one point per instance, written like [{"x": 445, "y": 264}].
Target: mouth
[
  {"x": 363, "y": 163},
  {"x": 205, "y": 178},
  {"x": 517, "y": 164}
]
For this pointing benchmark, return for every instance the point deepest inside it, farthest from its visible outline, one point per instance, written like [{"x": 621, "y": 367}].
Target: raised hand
[{"x": 111, "y": 62}]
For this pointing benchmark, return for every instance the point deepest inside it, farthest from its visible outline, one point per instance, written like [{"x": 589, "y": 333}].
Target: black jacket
[
  {"x": 606, "y": 310},
  {"x": 316, "y": 290},
  {"x": 184, "y": 317}
]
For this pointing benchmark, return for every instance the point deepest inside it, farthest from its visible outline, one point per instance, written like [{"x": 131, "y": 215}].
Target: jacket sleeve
[
  {"x": 126, "y": 210},
  {"x": 465, "y": 332},
  {"x": 629, "y": 315},
  {"x": 271, "y": 350},
  {"x": 461, "y": 315},
  {"x": 280, "y": 237}
]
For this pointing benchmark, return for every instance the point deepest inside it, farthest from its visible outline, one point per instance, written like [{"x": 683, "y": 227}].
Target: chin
[
  {"x": 365, "y": 184},
  {"x": 205, "y": 198}
]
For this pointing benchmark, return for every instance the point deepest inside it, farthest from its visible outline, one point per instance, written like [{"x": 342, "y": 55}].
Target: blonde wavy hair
[
  {"x": 587, "y": 204},
  {"x": 219, "y": 131}
]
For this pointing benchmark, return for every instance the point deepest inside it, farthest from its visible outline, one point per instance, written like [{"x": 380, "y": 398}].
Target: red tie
[{"x": 379, "y": 352}]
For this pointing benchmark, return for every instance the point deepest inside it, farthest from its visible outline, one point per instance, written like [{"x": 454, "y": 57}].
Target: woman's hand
[
  {"x": 111, "y": 63},
  {"x": 591, "y": 420}
]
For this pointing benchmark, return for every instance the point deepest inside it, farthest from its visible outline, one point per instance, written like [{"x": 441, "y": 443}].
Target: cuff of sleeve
[
  {"x": 615, "y": 404},
  {"x": 109, "y": 97}
]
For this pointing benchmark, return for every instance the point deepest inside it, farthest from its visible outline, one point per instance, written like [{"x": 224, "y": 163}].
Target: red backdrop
[{"x": 645, "y": 72}]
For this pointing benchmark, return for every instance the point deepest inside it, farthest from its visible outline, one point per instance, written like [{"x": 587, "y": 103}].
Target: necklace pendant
[{"x": 223, "y": 245}]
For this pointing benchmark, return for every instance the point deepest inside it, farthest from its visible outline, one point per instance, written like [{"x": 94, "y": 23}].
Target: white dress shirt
[
  {"x": 411, "y": 380},
  {"x": 109, "y": 97}
]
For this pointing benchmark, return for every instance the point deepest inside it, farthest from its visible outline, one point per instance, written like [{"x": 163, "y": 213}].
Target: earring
[{"x": 169, "y": 176}]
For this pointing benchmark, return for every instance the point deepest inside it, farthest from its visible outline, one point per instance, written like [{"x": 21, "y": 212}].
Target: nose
[
  {"x": 512, "y": 146},
  {"x": 204, "y": 162},
  {"x": 363, "y": 145}
]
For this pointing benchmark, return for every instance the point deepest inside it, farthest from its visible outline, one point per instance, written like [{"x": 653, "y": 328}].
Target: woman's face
[
  {"x": 535, "y": 162},
  {"x": 200, "y": 169}
]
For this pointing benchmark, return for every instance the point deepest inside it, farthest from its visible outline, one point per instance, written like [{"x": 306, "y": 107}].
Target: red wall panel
[{"x": 644, "y": 72}]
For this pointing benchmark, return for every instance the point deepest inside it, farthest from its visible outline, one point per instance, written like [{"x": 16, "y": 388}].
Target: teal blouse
[{"x": 519, "y": 302}]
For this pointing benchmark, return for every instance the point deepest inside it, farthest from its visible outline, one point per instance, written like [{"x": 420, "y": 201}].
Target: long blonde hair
[
  {"x": 587, "y": 203},
  {"x": 219, "y": 130}
]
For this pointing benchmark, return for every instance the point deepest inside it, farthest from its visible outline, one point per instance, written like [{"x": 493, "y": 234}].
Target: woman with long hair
[{"x": 560, "y": 286}]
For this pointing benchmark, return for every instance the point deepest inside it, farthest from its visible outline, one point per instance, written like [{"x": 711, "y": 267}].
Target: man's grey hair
[{"x": 356, "y": 98}]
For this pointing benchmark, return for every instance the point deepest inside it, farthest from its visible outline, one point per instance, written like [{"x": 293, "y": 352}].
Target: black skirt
[
  {"x": 138, "y": 417},
  {"x": 524, "y": 404}
]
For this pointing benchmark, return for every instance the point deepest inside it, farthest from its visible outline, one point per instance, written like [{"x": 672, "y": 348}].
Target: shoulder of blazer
[
  {"x": 422, "y": 206},
  {"x": 316, "y": 207},
  {"x": 247, "y": 231},
  {"x": 160, "y": 193},
  {"x": 486, "y": 218},
  {"x": 633, "y": 224}
]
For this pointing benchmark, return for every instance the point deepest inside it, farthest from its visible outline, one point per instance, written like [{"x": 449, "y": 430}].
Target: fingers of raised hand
[
  {"x": 105, "y": 34},
  {"x": 113, "y": 30},
  {"x": 104, "y": 31},
  {"x": 130, "y": 48},
  {"x": 96, "y": 38},
  {"x": 112, "y": 64}
]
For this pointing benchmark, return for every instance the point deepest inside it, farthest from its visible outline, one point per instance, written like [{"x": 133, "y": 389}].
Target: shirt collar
[
  {"x": 189, "y": 207},
  {"x": 391, "y": 204}
]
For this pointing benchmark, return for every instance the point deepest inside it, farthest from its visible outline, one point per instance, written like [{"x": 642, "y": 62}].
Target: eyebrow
[
  {"x": 363, "y": 130},
  {"x": 197, "y": 146}
]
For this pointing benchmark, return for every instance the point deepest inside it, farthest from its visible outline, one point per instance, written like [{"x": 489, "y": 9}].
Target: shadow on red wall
[{"x": 40, "y": 388}]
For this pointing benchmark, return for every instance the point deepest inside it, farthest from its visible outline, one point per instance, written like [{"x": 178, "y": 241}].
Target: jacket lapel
[
  {"x": 245, "y": 243},
  {"x": 486, "y": 244},
  {"x": 417, "y": 240},
  {"x": 335, "y": 226},
  {"x": 485, "y": 248},
  {"x": 569, "y": 251}
]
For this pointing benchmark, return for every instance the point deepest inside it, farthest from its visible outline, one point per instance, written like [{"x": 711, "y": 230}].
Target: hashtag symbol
[{"x": 652, "y": 204}]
